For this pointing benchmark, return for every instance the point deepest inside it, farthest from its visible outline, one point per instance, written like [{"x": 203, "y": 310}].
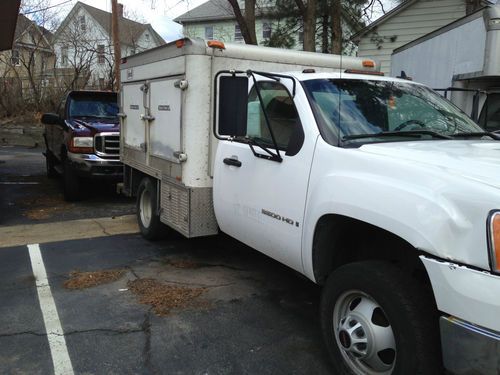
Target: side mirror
[
  {"x": 51, "y": 119},
  {"x": 232, "y": 106}
]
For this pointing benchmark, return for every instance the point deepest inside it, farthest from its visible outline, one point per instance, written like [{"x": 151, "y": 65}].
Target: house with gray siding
[
  {"x": 215, "y": 19},
  {"x": 409, "y": 21}
]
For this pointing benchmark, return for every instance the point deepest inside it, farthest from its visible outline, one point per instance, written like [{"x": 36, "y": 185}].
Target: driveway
[{"x": 83, "y": 293}]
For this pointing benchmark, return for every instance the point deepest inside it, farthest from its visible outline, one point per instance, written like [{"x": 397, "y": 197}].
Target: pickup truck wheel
[
  {"x": 49, "y": 164},
  {"x": 377, "y": 320},
  {"x": 147, "y": 212},
  {"x": 71, "y": 184}
]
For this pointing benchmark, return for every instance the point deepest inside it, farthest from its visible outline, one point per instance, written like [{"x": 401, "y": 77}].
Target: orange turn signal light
[
  {"x": 368, "y": 64},
  {"x": 216, "y": 44},
  {"x": 495, "y": 241},
  {"x": 180, "y": 43}
]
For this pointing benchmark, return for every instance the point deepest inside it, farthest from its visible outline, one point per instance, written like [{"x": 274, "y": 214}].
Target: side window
[
  {"x": 282, "y": 114},
  {"x": 490, "y": 115}
]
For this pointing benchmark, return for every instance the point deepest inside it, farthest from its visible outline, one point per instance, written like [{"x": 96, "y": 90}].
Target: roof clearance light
[
  {"x": 495, "y": 241},
  {"x": 179, "y": 43},
  {"x": 369, "y": 72},
  {"x": 216, "y": 44},
  {"x": 368, "y": 64}
]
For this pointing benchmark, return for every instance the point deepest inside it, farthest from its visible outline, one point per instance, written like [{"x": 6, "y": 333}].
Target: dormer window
[{"x": 147, "y": 37}]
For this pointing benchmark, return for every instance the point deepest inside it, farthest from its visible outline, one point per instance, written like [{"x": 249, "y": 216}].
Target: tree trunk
[
  {"x": 336, "y": 27},
  {"x": 309, "y": 20},
  {"x": 324, "y": 32},
  {"x": 247, "y": 21}
]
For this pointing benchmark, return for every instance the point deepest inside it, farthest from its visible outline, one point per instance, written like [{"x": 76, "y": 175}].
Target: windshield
[
  {"x": 359, "y": 111},
  {"x": 98, "y": 107}
]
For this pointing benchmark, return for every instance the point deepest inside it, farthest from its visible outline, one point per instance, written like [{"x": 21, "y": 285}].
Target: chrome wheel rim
[
  {"x": 364, "y": 334},
  {"x": 145, "y": 209}
]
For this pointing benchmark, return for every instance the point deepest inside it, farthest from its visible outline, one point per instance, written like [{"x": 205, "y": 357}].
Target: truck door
[{"x": 260, "y": 199}]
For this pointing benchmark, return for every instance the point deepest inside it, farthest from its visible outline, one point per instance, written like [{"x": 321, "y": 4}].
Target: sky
[{"x": 159, "y": 13}]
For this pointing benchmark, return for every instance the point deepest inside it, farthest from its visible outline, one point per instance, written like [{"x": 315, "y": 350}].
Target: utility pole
[{"x": 116, "y": 42}]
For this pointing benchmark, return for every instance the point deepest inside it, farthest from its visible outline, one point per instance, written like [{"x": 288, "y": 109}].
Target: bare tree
[{"x": 246, "y": 20}]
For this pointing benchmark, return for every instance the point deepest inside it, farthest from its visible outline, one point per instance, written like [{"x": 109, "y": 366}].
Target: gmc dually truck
[{"x": 376, "y": 188}]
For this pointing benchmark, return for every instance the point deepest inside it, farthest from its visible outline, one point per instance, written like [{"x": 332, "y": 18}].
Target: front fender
[{"x": 428, "y": 209}]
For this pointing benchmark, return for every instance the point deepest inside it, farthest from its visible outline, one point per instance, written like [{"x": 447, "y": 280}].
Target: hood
[
  {"x": 476, "y": 160},
  {"x": 96, "y": 126}
]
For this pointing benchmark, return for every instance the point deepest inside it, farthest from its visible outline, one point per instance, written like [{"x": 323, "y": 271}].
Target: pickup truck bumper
[
  {"x": 93, "y": 166},
  {"x": 470, "y": 333}
]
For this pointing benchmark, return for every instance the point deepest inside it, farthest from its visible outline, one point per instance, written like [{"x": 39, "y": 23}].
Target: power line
[{"x": 52, "y": 6}]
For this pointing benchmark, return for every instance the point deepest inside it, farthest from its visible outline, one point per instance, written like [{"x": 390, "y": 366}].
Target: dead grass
[
  {"x": 162, "y": 297},
  {"x": 83, "y": 280},
  {"x": 44, "y": 207},
  {"x": 182, "y": 263}
]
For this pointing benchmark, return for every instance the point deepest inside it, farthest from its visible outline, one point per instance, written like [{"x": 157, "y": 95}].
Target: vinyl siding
[{"x": 418, "y": 19}]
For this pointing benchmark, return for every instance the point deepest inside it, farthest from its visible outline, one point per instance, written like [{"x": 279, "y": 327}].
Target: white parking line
[{"x": 58, "y": 349}]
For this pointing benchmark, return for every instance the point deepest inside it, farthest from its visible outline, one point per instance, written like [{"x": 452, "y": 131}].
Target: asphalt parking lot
[{"x": 83, "y": 293}]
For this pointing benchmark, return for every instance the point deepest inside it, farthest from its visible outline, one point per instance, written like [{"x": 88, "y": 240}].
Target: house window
[
  {"x": 237, "y": 33},
  {"x": 83, "y": 25},
  {"x": 100, "y": 54},
  {"x": 266, "y": 30},
  {"x": 64, "y": 56},
  {"x": 209, "y": 32},
  {"x": 147, "y": 37},
  {"x": 14, "y": 57}
]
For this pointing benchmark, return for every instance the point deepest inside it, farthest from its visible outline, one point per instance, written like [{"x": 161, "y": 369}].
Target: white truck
[
  {"x": 462, "y": 60},
  {"x": 376, "y": 188}
]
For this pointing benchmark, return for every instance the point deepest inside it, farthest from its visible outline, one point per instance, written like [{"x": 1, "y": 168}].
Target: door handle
[{"x": 233, "y": 162}]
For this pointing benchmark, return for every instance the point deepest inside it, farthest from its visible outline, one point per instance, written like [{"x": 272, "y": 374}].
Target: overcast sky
[{"x": 158, "y": 13}]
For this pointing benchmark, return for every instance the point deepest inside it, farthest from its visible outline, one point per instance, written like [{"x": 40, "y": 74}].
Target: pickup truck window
[
  {"x": 280, "y": 110},
  {"x": 354, "y": 111},
  {"x": 97, "y": 107},
  {"x": 490, "y": 115}
]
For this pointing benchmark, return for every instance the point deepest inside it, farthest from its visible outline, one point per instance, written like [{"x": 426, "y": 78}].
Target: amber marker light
[
  {"x": 495, "y": 241},
  {"x": 179, "y": 43},
  {"x": 368, "y": 64},
  {"x": 216, "y": 44}
]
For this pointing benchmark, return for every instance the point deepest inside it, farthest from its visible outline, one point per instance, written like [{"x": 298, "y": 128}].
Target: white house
[
  {"x": 84, "y": 47},
  {"x": 409, "y": 21}
]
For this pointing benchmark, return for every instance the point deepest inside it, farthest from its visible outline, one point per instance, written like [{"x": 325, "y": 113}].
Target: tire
[
  {"x": 49, "y": 164},
  {"x": 397, "y": 322},
  {"x": 71, "y": 184},
  {"x": 147, "y": 211}
]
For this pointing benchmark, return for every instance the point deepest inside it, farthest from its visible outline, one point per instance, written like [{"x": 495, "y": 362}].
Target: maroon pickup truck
[{"x": 83, "y": 140}]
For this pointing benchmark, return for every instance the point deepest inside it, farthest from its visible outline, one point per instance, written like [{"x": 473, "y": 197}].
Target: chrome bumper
[
  {"x": 93, "y": 165},
  {"x": 469, "y": 349}
]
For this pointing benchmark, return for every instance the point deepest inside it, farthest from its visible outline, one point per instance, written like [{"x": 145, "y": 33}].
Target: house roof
[
  {"x": 394, "y": 11},
  {"x": 211, "y": 10},
  {"x": 8, "y": 17},
  {"x": 24, "y": 23},
  {"x": 129, "y": 30}
]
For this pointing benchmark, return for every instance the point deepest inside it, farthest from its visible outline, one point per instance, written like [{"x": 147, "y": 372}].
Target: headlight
[
  {"x": 494, "y": 239},
  {"x": 82, "y": 144}
]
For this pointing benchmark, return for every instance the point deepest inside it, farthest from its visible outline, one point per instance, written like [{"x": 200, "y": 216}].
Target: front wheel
[
  {"x": 148, "y": 217},
  {"x": 71, "y": 183},
  {"x": 50, "y": 165},
  {"x": 377, "y": 320}
]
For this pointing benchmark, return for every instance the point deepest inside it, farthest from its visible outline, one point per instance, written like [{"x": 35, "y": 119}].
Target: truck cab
[{"x": 83, "y": 140}]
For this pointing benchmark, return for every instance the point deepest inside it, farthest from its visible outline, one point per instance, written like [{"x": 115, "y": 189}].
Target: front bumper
[
  {"x": 93, "y": 166},
  {"x": 469, "y": 349},
  {"x": 470, "y": 337}
]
